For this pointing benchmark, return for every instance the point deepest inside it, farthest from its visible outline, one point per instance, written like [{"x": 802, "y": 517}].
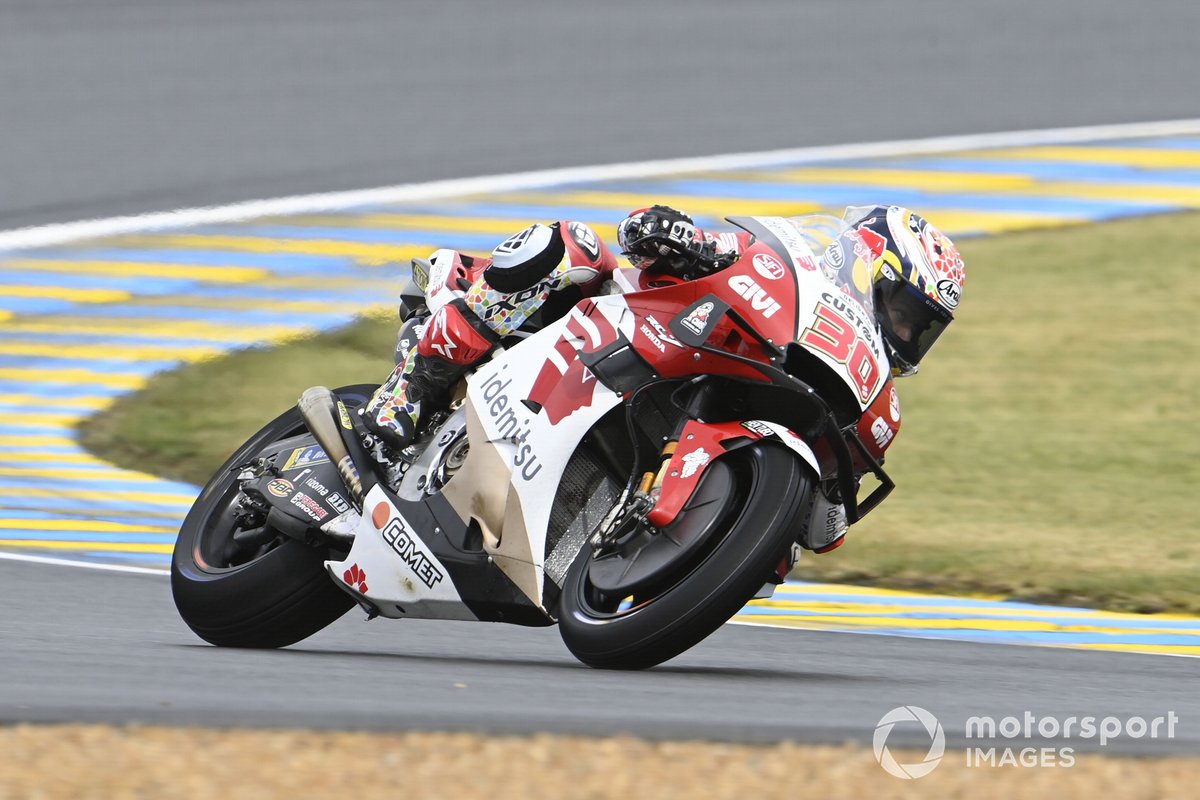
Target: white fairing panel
[
  {"x": 842, "y": 333},
  {"x": 793, "y": 442},
  {"x": 392, "y": 569},
  {"x": 835, "y": 320},
  {"x": 801, "y": 253},
  {"x": 536, "y": 442}
]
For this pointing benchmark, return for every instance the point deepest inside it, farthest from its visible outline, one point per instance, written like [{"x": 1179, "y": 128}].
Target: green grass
[
  {"x": 1049, "y": 448},
  {"x": 185, "y": 423}
]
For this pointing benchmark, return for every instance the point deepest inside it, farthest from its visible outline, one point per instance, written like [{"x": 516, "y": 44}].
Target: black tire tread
[
  {"x": 277, "y": 600},
  {"x": 715, "y": 591}
]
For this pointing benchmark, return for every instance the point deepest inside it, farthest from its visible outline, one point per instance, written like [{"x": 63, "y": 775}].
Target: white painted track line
[{"x": 65, "y": 233}]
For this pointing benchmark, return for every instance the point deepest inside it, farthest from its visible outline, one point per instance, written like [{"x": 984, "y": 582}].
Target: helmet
[{"x": 917, "y": 282}]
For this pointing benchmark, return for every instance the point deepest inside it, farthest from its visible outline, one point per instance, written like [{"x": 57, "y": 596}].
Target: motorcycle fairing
[
  {"x": 700, "y": 443},
  {"x": 834, "y": 317},
  {"x": 528, "y": 409},
  {"x": 418, "y": 559},
  {"x": 782, "y": 290},
  {"x": 879, "y": 424},
  {"x": 840, "y": 332},
  {"x": 393, "y": 570}
]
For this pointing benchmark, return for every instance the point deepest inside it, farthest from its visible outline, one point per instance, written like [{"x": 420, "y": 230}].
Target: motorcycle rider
[
  {"x": 914, "y": 276},
  {"x": 564, "y": 260},
  {"x": 917, "y": 281},
  {"x": 912, "y": 269}
]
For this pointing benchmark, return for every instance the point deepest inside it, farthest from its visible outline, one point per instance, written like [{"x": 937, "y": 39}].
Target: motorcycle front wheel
[
  {"x": 611, "y": 631},
  {"x": 261, "y": 595}
]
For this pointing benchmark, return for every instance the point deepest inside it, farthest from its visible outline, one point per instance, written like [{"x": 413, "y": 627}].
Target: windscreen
[{"x": 842, "y": 254}]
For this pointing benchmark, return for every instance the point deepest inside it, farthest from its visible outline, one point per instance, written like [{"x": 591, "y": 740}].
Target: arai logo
[
  {"x": 769, "y": 267},
  {"x": 950, "y": 292}
]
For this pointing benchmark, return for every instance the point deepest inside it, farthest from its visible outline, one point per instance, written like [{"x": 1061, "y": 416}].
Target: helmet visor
[{"x": 911, "y": 320}]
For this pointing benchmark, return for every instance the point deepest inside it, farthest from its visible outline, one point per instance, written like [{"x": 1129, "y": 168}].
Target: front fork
[{"x": 650, "y": 487}]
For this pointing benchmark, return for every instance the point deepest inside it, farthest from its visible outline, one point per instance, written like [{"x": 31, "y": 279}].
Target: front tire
[
  {"x": 272, "y": 596},
  {"x": 611, "y": 632}
]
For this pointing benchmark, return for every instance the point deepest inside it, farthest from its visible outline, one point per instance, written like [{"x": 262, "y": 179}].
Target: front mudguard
[{"x": 700, "y": 443}]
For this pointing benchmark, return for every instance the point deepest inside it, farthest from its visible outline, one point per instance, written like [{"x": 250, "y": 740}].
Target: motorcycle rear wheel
[
  {"x": 610, "y": 632},
  {"x": 266, "y": 597}
]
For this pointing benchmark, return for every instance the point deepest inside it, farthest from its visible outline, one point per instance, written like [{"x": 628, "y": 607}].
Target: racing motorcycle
[{"x": 635, "y": 471}]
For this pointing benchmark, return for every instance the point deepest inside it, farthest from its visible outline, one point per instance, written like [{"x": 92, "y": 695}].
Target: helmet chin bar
[
  {"x": 900, "y": 367},
  {"x": 910, "y": 321}
]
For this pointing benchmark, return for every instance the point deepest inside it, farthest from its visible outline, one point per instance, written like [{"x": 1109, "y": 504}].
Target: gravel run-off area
[{"x": 92, "y": 761}]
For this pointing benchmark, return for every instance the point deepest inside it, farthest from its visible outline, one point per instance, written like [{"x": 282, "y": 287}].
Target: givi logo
[{"x": 758, "y": 297}]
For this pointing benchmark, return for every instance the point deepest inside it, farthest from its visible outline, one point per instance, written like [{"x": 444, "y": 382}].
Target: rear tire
[
  {"x": 271, "y": 598},
  {"x": 611, "y": 632}
]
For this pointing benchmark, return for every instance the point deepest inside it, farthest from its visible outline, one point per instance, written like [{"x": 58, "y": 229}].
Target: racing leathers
[
  {"x": 471, "y": 316},
  {"x": 536, "y": 268}
]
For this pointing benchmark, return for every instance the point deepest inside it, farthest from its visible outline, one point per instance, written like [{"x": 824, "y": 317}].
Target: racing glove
[
  {"x": 659, "y": 230},
  {"x": 663, "y": 239}
]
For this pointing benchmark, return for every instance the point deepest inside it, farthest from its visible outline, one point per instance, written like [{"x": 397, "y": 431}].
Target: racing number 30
[{"x": 833, "y": 335}]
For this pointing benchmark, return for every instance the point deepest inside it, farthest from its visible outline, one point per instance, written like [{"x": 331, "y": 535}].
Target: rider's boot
[{"x": 455, "y": 340}]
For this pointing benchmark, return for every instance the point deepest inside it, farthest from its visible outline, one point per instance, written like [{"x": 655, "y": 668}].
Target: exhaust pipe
[{"x": 326, "y": 416}]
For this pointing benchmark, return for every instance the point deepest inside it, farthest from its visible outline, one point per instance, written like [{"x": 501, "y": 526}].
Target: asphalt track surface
[
  {"x": 124, "y": 106},
  {"x": 109, "y": 647},
  {"x": 130, "y": 107}
]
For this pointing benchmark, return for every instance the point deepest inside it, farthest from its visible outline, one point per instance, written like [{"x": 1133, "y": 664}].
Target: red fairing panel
[
  {"x": 564, "y": 385},
  {"x": 763, "y": 292},
  {"x": 671, "y": 358},
  {"x": 449, "y": 336},
  {"x": 699, "y": 443},
  {"x": 879, "y": 424}
]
